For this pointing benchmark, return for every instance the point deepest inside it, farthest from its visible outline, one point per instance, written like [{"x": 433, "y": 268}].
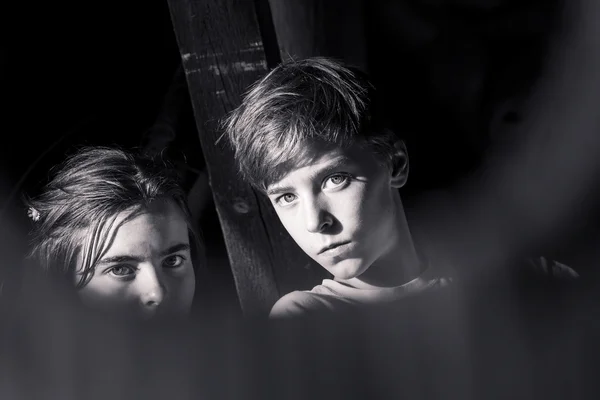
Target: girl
[{"x": 116, "y": 228}]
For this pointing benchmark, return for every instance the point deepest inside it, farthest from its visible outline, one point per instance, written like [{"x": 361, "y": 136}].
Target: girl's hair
[{"x": 87, "y": 191}]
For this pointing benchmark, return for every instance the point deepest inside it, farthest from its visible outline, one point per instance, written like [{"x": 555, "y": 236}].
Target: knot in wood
[{"x": 241, "y": 207}]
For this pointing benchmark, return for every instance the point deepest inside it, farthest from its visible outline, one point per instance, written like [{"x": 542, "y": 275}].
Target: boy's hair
[
  {"x": 298, "y": 103},
  {"x": 87, "y": 191}
]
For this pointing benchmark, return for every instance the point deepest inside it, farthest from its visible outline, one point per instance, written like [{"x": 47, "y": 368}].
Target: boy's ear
[{"x": 399, "y": 170}]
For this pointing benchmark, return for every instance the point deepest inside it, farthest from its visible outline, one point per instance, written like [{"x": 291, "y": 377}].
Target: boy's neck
[{"x": 400, "y": 265}]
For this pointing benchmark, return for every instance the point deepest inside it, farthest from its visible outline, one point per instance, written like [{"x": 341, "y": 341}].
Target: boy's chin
[{"x": 347, "y": 269}]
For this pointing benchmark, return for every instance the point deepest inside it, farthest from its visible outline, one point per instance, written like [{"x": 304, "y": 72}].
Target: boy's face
[{"x": 340, "y": 208}]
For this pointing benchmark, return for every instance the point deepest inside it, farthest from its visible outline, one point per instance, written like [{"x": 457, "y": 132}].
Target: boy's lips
[{"x": 332, "y": 246}]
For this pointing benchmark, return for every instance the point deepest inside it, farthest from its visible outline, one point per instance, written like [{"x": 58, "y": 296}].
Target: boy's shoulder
[{"x": 299, "y": 303}]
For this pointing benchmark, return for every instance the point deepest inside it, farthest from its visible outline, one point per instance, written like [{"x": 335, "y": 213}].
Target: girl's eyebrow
[
  {"x": 119, "y": 259},
  {"x": 130, "y": 258},
  {"x": 175, "y": 248}
]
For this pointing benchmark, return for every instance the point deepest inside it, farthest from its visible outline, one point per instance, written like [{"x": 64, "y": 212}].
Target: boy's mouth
[{"x": 332, "y": 246}]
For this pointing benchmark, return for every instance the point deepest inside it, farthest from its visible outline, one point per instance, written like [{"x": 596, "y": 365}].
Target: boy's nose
[
  {"x": 316, "y": 218},
  {"x": 151, "y": 288}
]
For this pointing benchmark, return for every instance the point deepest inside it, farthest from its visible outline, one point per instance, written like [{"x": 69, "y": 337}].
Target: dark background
[{"x": 78, "y": 73}]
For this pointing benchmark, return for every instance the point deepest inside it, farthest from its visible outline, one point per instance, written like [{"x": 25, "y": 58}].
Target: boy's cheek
[
  {"x": 282, "y": 217},
  {"x": 290, "y": 224},
  {"x": 296, "y": 229}
]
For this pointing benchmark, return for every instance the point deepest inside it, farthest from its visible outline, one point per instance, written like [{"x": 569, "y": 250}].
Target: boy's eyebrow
[
  {"x": 325, "y": 170},
  {"x": 279, "y": 190},
  {"x": 128, "y": 258}
]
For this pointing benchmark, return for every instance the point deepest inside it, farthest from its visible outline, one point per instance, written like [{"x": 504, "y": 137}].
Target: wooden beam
[{"x": 222, "y": 53}]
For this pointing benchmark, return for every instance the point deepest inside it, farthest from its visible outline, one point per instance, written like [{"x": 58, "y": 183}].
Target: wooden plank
[
  {"x": 222, "y": 54},
  {"x": 268, "y": 33}
]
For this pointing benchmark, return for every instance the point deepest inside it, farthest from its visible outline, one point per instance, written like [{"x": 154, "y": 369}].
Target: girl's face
[{"x": 147, "y": 271}]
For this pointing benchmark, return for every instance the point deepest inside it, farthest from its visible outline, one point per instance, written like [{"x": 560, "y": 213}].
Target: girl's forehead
[
  {"x": 146, "y": 240},
  {"x": 160, "y": 222},
  {"x": 156, "y": 223}
]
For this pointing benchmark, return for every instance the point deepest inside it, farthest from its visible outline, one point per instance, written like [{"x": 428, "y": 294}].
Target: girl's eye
[
  {"x": 336, "y": 180},
  {"x": 173, "y": 261},
  {"x": 286, "y": 199},
  {"x": 122, "y": 270}
]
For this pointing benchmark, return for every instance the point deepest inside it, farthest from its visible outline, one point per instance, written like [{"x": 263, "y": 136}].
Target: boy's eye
[
  {"x": 122, "y": 271},
  {"x": 335, "y": 180},
  {"x": 173, "y": 261},
  {"x": 286, "y": 199}
]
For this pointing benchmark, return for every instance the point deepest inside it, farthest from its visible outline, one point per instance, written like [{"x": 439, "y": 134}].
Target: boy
[{"x": 309, "y": 135}]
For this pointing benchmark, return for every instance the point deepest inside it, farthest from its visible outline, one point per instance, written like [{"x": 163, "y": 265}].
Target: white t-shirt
[{"x": 333, "y": 295}]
